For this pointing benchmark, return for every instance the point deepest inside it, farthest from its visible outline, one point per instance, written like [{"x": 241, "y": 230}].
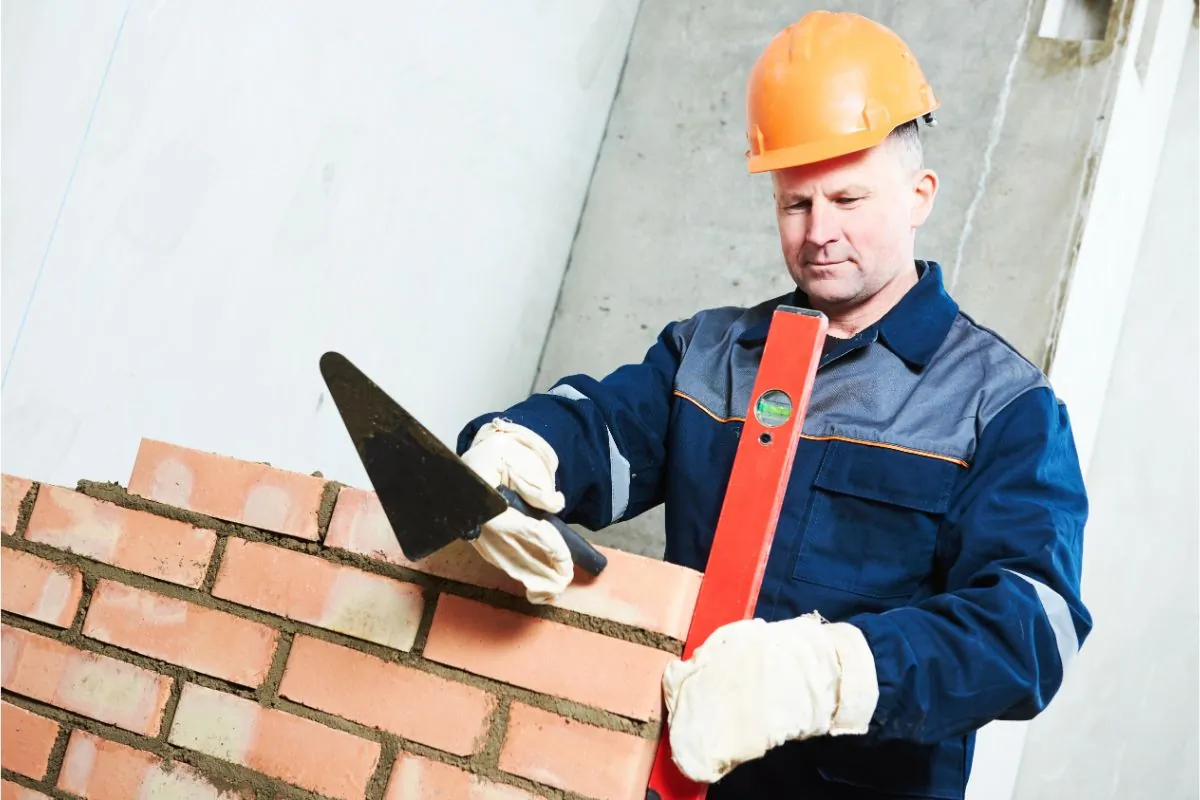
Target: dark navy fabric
[{"x": 935, "y": 502}]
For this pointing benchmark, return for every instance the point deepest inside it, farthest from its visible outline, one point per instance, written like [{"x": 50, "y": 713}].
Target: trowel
[{"x": 430, "y": 496}]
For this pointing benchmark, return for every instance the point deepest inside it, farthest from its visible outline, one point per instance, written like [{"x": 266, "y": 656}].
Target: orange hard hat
[{"x": 828, "y": 85}]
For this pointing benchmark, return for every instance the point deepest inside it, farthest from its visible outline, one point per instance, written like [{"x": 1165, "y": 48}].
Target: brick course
[{"x": 218, "y": 630}]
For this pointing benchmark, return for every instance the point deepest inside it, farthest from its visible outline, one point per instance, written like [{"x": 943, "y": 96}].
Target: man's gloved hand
[
  {"x": 754, "y": 685},
  {"x": 527, "y": 549}
]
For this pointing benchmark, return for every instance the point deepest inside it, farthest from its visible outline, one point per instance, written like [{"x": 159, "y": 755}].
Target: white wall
[
  {"x": 1124, "y": 725},
  {"x": 200, "y": 198}
]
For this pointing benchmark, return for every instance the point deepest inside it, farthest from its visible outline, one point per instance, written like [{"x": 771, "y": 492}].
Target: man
[{"x": 925, "y": 573}]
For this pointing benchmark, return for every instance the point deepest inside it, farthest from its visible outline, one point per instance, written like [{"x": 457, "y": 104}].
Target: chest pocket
[{"x": 873, "y": 520}]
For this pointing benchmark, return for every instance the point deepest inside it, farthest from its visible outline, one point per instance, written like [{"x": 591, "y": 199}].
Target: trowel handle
[{"x": 586, "y": 557}]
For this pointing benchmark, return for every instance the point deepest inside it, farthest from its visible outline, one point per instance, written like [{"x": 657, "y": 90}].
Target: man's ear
[{"x": 925, "y": 185}]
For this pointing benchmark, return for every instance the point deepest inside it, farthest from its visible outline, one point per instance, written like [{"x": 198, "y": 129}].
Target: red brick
[
  {"x": 408, "y": 702},
  {"x": 417, "y": 778},
  {"x": 310, "y": 589},
  {"x": 38, "y": 588},
  {"x": 11, "y": 496},
  {"x": 90, "y": 684},
  {"x": 227, "y": 488},
  {"x": 643, "y": 592},
  {"x": 548, "y": 657},
  {"x": 13, "y": 791},
  {"x": 358, "y": 525},
  {"x": 293, "y": 749},
  {"x": 575, "y": 756},
  {"x": 27, "y": 740},
  {"x": 638, "y": 591},
  {"x": 134, "y": 540},
  {"x": 203, "y": 639},
  {"x": 98, "y": 769}
]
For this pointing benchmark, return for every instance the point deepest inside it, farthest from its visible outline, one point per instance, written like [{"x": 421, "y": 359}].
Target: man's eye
[{"x": 845, "y": 201}]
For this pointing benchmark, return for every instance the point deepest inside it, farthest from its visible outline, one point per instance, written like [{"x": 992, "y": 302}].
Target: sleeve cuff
[{"x": 858, "y": 690}]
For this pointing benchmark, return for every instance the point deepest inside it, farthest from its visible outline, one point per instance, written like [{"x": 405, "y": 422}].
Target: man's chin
[{"x": 829, "y": 293}]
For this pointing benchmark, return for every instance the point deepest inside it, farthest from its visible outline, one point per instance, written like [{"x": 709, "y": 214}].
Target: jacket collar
[{"x": 913, "y": 329}]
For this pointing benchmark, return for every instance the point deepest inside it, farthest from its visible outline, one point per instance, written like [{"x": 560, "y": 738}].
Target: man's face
[{"x": 847, "y": 225}]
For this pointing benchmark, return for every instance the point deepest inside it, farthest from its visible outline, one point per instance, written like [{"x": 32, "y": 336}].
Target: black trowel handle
[{"x": 588, "y": 558}]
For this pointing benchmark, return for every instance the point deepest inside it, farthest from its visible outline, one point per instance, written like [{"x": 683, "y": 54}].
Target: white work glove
[
  {"x": 527, "y": 549},
  {"x": 754, "y": 685}
]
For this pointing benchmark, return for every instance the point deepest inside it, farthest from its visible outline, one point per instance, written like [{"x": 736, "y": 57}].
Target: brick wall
[{"x": 223, "y": 629}]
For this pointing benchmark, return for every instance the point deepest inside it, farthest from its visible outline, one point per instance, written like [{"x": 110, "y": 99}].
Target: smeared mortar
[{"x": 24, "y": 510}]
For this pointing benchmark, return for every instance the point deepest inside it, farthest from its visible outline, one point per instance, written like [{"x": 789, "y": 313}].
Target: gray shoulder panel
[
  {"x": 714, "y": 372},
  {"x": 724, "y": 323},
  {"x": 874, "y": 396},
  {"x": 870, "y": 395},
  {"x": 982, "y": 359}
]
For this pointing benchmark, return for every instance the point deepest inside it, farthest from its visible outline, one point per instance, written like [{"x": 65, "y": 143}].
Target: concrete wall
[
  {"x": 200, "y": 198},
  {"x": 1125, "y": 724}
]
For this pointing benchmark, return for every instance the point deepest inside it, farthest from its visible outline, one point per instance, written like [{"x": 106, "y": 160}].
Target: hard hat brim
[{"x": 812, "y": 152}]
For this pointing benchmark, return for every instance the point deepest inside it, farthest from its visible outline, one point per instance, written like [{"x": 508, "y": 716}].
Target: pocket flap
[{"x": 888, "y": 475}]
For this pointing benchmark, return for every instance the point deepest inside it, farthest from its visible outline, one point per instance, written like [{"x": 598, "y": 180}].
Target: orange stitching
[
  {"x": 696, "y": 403},
  {"x": 896, "y": 447}
]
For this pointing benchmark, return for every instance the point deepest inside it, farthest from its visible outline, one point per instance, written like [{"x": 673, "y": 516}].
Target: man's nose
[{"x": 822, "y": 225}]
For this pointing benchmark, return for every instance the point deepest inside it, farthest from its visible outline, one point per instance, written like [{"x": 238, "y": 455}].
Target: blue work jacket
[{"x": 935, "y": 502}]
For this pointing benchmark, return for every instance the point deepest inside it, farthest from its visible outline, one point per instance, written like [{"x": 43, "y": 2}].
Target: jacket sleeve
[
  {"x": 609, "y": 434},
  {"x": 996, "y": 643}
]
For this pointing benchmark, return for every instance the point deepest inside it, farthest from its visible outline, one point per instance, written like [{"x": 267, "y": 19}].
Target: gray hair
[{"x": 906, "y": 139}]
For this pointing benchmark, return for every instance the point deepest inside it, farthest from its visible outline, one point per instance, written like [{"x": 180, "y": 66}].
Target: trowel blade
[{"x": 431, "y": 498}]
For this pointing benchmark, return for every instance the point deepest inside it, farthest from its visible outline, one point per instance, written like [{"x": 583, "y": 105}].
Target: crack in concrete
[{"x": 994, "y": 134}]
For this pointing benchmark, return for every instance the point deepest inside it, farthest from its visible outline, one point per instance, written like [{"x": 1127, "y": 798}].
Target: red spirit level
[{"x": 750, "y": 511}]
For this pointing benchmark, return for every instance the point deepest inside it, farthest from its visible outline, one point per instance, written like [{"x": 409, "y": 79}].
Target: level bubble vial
[{"x": 773, "y": 408}]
